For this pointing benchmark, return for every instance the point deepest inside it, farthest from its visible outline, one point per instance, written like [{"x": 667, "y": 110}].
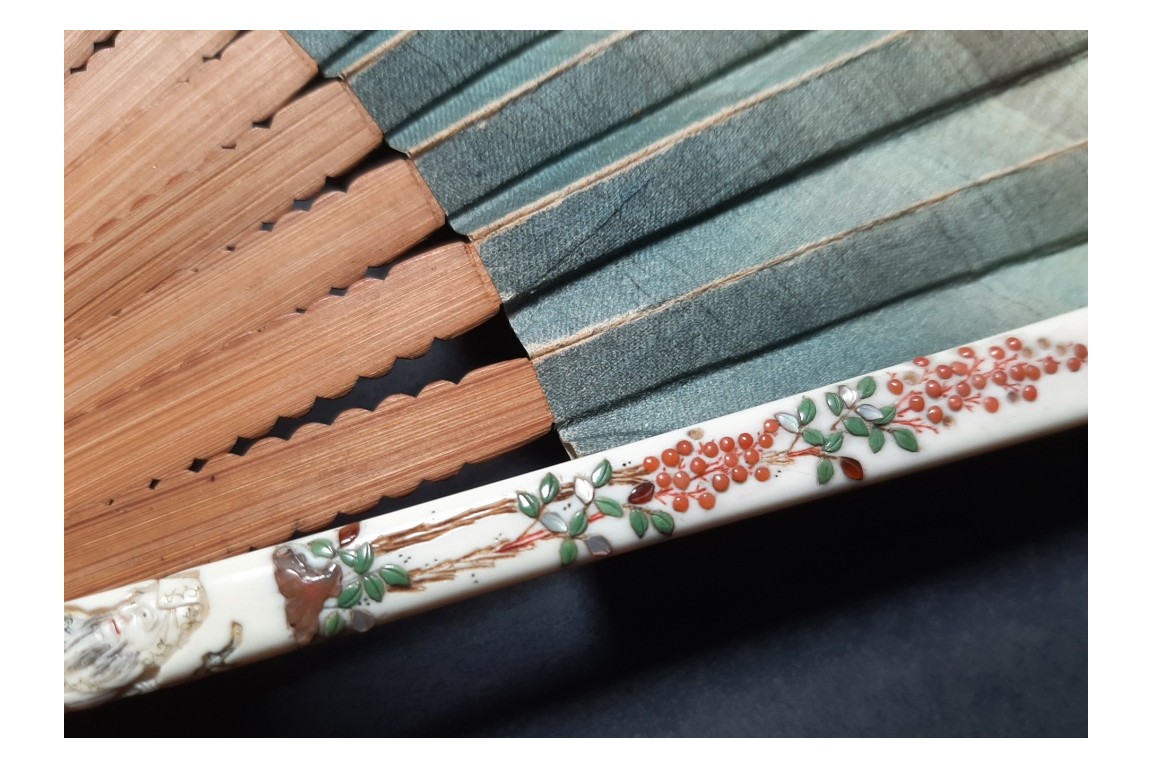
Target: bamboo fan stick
[
  {"x": 254, "y": 76},
  {"x": 200, "y": 408},
  {"x": 121, "y": 81},
  {"x": 277, "y": 487},
  {"x": 78, "y": 45},
  {"x": 321, "y": 134},
  {"x": 384, "y": 213}
]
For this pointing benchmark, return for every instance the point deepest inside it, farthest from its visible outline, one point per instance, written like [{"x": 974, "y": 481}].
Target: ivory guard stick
[{"x": 908, "y": 417}]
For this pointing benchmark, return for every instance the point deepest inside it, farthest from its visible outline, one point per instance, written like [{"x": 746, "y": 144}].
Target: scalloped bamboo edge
[
  {"x": 320, "y": 135},
  {"x": 79, "y": 44},
  {"x": 236, "y": 502},
  {"x": 200, "y": 409},
  {"x": 255, "y": 605},
  {"x": 384, "y": 213},
  {"x": 260, "y": 72}
]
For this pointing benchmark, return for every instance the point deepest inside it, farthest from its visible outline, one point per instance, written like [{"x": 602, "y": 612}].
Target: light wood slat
[
  {"x": 78, "y": 45},
  {"x": 121, "y": 80},
  {"x": 384, "y": 213},
  {"x": 254, "y": 76},
  {"x": 200, "y": 408},
  {"x": 237, "y": 502},
  {"x": 322, "y": 134}
]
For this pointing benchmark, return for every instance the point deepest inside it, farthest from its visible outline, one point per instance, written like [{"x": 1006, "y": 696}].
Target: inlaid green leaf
[
  {"x": 364, "y": 558},
  {"x": 833, "y": 442},
  {"x": 856, "y": 426},
  {"x": 638, "y": 519},
  {"x": 567, "y": 552},
  {"x": 889, "y": 413},
  {"x": 807, "y": 411},
  {"x": 876, "y": 440},
  {"x": 374, "y": 586},
  {"x": 824, "y": 471},
  {"x": 332, "y": 625},
  {"x": 866, "y": 387},
  {"x": 610, "y": 507},
  {"x": 527, "y": 503},
  {"x": 322, "y": 548},
  {"x": 906, "y": 439},
  {"x": 350, "y": 595},
  {"x": 835, "y": 404},
  {"x": 395, "y": 576},
  {"x": 813, "y": 436},
  {"x": 348, "y": 557},
  {"x": 602, "y": 474},
  {"x": 663, "y": 522},
  {"x": 578, "y": 524},
  {"x": 549, "y": 488}
]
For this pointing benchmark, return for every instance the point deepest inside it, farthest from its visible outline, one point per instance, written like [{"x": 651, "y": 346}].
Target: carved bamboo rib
[
  {"x": 200, "y": 408},
  {"x": 255, "y": 75},
  {"x": 78, "y": 46},
  {"x": 322, "y": 134},
  {"x": 121, "y": 81},
  {"x": 384, "y": 213},
  {"x": 237, "y": 502}
]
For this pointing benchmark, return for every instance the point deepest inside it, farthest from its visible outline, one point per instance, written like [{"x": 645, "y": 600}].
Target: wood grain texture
[
  {"x": 277, "y": 487},
  {"x": 200, "y": 408},
  {"x": 384, "y": 213},
  {"x": 255, "y": 75},
  {"x": 120, "y": 81},
  {"x": 321, "y": 134},
  {"x": 78, "y": 46}
]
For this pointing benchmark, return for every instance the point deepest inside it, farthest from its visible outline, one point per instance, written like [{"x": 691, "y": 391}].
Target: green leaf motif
[
  {"x": 610, "y": 507},
  {"x": 322, "y": 548},
  {"x": 332, "y": 625},
  {"x": 567, "y": 552},
  {"x": 876, "y": 440},
  {"x": 663, "y": 522},
  {"x": 364, "y": 558},
  {"x": 889, "y": 413},
  {"x": 824, "y": 471},
  {"x": 528, "y": 504},
  {"x": 807, "y": 411},
  {"x": 835, "y": 404},
  {"x": 350, "y": 595},
  {"x": 578, "y": 524},
  {"x": 856, "y": 426},
  {"x": 395, "y": 576},
  {"x": 867, "y": 386},
  {"x": 906, "y": 439},
  {"x": 374, "y": 586},
  {"x": 813, "y": 436},
  {"x": 639, "y": 521},
  {"x": 549, "y": 488},
  {"x": 833, "y": 442},
  {"x": 602, "y": 474}
]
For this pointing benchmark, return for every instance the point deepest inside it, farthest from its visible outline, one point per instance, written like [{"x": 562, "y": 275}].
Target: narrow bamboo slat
[
  {"x": 277, "y": 487},
  {"x": 384, "y": 213},
  {"x": 321, "y": 134},
  {"x": 200, "y": 408},
  {"x": 255, "y": 75},
  {"x": 78, "y": 46},
  {"x": 120, "y": 81}
]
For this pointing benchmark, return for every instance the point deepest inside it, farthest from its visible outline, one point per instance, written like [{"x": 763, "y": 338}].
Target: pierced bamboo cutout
[
  {"x": 321, "y": 134},
  {"x": 120, "y": 81},
  {"x": 383, "y": 213},
  {"x": 256, "y": 74},
  {"x": 277, "y": 487},
  {"x": 78, "y": 46},
  {"x": 200, "y": 408}
]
